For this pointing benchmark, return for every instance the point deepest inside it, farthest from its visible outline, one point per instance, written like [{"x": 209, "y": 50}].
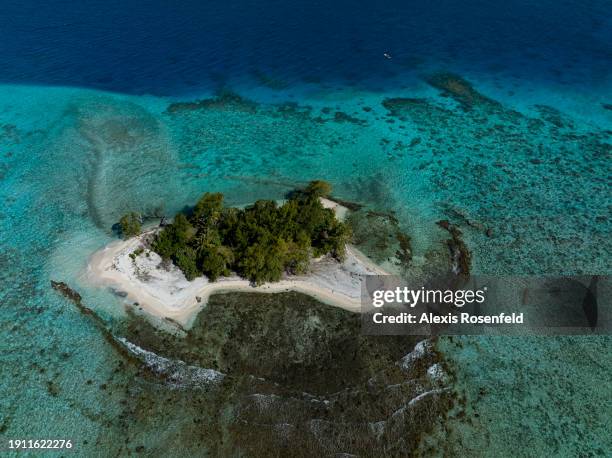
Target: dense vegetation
[
  {"x": 129, "y": 225},
  {"x": 259, "y": 242}
]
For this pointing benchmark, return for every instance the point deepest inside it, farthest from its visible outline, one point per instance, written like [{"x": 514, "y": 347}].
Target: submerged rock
[
  {"x": 66, "y": 291},
  {"x": 421, "y": 354},
  {"x": 461, "y": 258},
  {"x": 437, "y": 375},
  {"x": 177, "y": 373}
]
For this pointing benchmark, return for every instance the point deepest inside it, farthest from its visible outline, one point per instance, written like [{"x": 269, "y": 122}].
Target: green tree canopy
[
  {"x": 208, "y": 209},
  {"x": 259, "y": 242},
  {"x": 130, "y": 225},
  {"x": 318, "y": 188}
]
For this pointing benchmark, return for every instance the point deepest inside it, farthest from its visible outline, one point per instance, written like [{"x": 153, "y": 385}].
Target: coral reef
[{"x": 300, "y": 379}]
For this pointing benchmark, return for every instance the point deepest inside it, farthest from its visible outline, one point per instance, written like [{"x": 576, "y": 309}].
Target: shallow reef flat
[{"x": 296, "y": 372}]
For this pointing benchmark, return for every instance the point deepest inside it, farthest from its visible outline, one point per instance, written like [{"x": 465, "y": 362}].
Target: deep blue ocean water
[
  {"x": 165, "y": 48},
  {"x": 85, "y": 135}
]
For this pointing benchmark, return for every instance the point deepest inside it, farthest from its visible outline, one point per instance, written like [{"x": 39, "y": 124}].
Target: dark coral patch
[
  {"x": 459, "y": 89},
  {"x": 397, "y": 105},
  {"x": 226, "y": 100},
  {"x": 340, "y": 116}
]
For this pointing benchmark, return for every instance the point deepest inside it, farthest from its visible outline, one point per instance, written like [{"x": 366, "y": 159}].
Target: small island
[{"x": 299, "y": 245}]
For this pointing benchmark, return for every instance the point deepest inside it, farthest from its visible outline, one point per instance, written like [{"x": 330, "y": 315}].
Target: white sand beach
[{"x": 162, "y": 291}]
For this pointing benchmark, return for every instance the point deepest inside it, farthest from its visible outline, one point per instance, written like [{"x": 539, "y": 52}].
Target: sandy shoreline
[{"x": 163, "y": 292}]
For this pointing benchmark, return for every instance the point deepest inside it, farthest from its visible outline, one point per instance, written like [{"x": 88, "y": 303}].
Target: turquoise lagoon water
[{"x": 530, "y": 160}]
